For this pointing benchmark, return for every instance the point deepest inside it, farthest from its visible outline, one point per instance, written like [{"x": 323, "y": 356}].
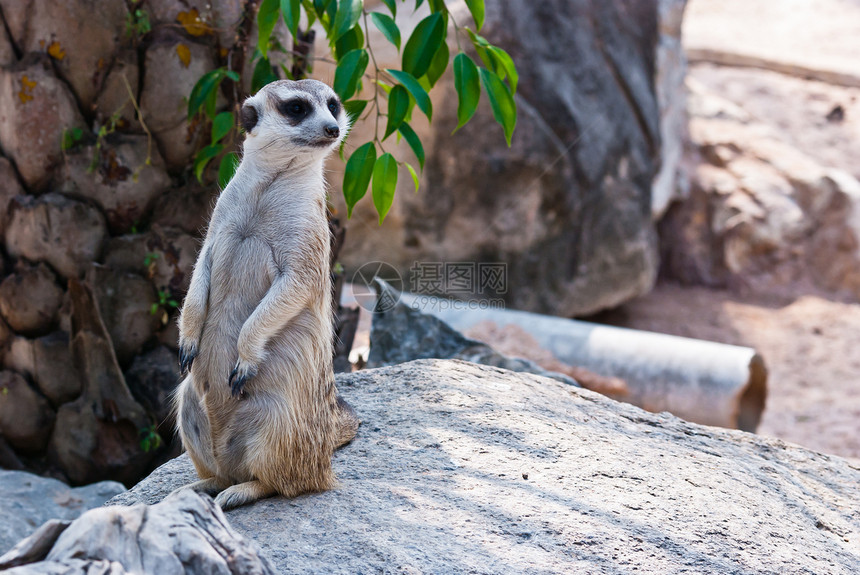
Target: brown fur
[{"x": 259, "y": 307}]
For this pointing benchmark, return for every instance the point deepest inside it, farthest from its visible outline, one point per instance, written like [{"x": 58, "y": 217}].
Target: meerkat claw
[
  {"x": 237, "y": 381},
  {"x": 186, "y": 358}
]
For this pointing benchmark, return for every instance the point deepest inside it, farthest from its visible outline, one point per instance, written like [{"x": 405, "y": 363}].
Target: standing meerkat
[{"x": 258, "y": 411}]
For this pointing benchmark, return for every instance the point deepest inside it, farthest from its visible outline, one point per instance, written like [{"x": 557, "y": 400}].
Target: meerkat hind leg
[
  {"x": 243, "y": 493},
  {"x": 210, "y": 486}
]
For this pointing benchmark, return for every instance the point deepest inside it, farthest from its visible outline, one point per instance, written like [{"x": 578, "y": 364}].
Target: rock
[
  {"x": 401, "y": 333},
  {"x": 19, "y": 356},
  {"x": 29, "y": 500},
  {"x": 35, "y": 109},
  {"x": 166, "y": 256},
  {"x": 9, "y": 188},
  {"x": 8, "y": 458},
  {"x": 125, "y": 303},
  {"x": 114, "y": 99},
  {"x": 187, "y": 208},
  {"x": 671, "y": 181},
  {"x": 123, "y": 185},
  {"x": 55, "y": 373},
  {"x": 26, "y": 418},
  {"x": 97, "y": 436},
  {"x": 7, "y": 50},
  {"x": 167, "y": 83},
  {"x": 186, "y": 534},
  {"x": 767, "y": 212},
  {"x": 511, "y": 471},
  {"x": 81, "y": 37},
  {"x": 567, "y": 207},
  {"x": 152, "y": 379},
  {"x": 29, "y": 299},
  {"x": 216, "y": 17},
  {"x": 65, "y": 233}
]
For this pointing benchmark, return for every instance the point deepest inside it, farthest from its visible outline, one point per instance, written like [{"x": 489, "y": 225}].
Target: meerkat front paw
[
  {"x": 240, "y": 376},
  {"x": 187, "y": 352}
]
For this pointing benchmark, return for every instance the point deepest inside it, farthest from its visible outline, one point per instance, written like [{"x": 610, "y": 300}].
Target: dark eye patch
[
  {"x": 333, "y": 107},
  {"x": 295, "y": 109}
]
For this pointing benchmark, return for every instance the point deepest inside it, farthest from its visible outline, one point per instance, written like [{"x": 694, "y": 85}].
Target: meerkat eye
[
  {"x": 295, "y": 108},
  {"x": 333, "y": 107}
]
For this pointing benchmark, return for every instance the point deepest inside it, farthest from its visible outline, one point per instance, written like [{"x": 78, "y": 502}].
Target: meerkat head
[{"x": 286, "y": 120}]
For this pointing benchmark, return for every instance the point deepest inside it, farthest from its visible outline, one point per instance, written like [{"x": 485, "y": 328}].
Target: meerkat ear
[{"x": 249, "y": 117}]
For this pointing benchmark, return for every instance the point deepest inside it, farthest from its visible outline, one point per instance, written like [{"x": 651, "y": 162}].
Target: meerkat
[{"x": 258, "y": 411}]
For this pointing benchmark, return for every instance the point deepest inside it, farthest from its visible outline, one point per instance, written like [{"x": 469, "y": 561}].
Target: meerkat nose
[{"x": 332, "y": 131}]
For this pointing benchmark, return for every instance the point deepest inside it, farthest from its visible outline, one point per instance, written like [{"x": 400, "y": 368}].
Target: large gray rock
[
  {"x": 26, "y": 418},
  {"x": 65, "y": 233},
  {"x": 80, "y": 35},
  {"x": 30, "y": 298},
  {"x": 9, "y": 188},
  {"x": 29, "y": 500},
  {"x": 35, "y": 108},
  {"x": 186, "y": 534},
  {"x": 165, "y": 256},
  {"x": 167, "y": 83},
  {"x": 121, "y": 183},
  {"x": 474, "y": 469},
  {"x": 568, "y": 207}
]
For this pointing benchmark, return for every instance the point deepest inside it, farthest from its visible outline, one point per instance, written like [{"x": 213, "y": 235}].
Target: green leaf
[
  {"x": 348, "y": 73},
  {"x": 356, "y": 177},
  {"x": 203, "y": 157},
  {"x": 414, "y": 142},
  {"x": 392, "y": 6},
  {"x": 420, "y": 94},
  {"x": 384, "y": 184},
  {"x": 263, "y": 74},
  {"x": 352, "y": 40},
  {"x": 222, "y": 125},
  {"x": 354, "y": 108},
  {"x": 348, "y": 12},
  {"x": 506, "y": 63},
  {"x": 291, "y": 9},
  {"x": 227, "y": 168},
  {"x": 415, "y": 178},
  {"x": 437, "y": 5},
  {"x": 439, "y": 64},
  {"x": 267, "y": 17},
  {"x": 501, "y": 101},
  {"x": 398, "y": 106},
  {"x": 203, "y": 90},
  {"x": 468, "y": 88},
  {"x": 232, "y": 75},
  {"x": 423, "y": 44},
  {"x": 386, "y": 25},
  {"x": 476, "y": 7}
]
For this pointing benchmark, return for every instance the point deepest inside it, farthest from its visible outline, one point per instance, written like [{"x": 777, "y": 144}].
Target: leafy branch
[{"x": 425, "y": 57}]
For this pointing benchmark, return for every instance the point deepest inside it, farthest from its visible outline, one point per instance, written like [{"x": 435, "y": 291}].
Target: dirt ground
[{"x": 810, "y": 346}]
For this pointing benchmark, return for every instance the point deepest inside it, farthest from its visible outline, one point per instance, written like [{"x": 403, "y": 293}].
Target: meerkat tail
[
  {"x": 243, "y": 493},
  {"x": 348, "y": 422}
]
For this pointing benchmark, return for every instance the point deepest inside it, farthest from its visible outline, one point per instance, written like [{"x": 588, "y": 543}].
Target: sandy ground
[{"x": 811, "y": 347}]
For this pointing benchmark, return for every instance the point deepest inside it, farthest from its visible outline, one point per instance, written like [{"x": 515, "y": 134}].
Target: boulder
[
  {"x": 29, "y": 500},
  {"x": 7, "y": 50},
  {"x": 35, "y": 109},
  {"x": 63, "y": 232},
  {"x": 117, "y": 178},
  {"x": 81, "y": 37},
  {"x": 478, "y": 469},
  {"x": 187, "y": 208},
  {"x": 98, "y": 435},
  {"x": 186, "y": 534},
  {"x": 114, "y": 100},
  {"x": 30, "y": 298},
  {"x": 26, "y": 418},
  {"x": 54, "y": 371},
  {"x": 166, "y": 256},
  {"x": 567, "y": 208},
  {"x": 152, "y": 379},
  {"x": 201, "y": 18},
  {"x": 167, "y": 83},
  {"x": 125, "y": 302},
  {"x": 9, "y": 188}
]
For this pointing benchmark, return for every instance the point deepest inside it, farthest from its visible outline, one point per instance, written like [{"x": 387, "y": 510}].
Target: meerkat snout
[{"x": 332, "y": 131}]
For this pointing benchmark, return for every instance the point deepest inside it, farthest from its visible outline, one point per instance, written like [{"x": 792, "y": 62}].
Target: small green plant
[
  {"x": 425, "y": 57},
  {"x": 164, "y": 303},
  {"x": 71, "y": 138},
  {"x": 150, "y": 440},
  {"x": 137, "y": 22}
]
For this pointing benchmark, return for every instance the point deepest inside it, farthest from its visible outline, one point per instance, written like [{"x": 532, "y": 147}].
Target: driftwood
[{"x": 185, "y": 534}]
